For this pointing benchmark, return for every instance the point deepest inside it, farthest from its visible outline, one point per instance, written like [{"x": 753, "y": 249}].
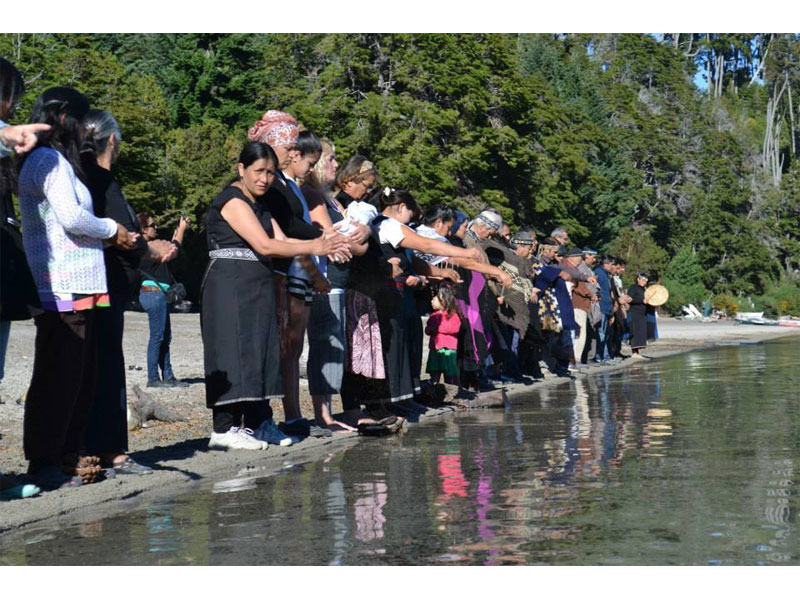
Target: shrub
[
  {"x": 781, "y": 299},
  {"x": 726, "y": 304},
  {"x": 682, "y": 294}
]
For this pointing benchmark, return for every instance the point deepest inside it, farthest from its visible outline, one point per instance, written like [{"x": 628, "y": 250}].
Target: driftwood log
[{"x": 144, "y": 408}]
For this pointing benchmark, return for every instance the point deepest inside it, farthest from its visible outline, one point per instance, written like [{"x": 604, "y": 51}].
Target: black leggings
[{"x": 240, "y": 414}]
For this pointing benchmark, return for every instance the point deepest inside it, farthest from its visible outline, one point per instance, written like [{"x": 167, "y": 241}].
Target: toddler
[{"x": 443, "y": 327}]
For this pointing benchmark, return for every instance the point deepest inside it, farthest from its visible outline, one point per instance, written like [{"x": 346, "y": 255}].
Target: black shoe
[
  {"x": 157, "y": 383},
  {"x": 175, "y": 383},
  {"x": 299, "y": 429}
]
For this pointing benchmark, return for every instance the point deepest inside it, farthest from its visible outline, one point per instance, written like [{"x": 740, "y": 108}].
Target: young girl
[{"x": 443, "y": 327}]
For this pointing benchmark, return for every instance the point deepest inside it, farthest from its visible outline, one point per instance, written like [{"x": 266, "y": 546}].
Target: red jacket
[{"x": 443, "y": 330}]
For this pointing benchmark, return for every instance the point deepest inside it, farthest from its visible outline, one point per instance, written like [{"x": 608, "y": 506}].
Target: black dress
[
  {"x": 237, "y": 313},
  {"x": 394, "y": 323},
  {"x": 637, "y": 317},
  {"x": 107, "y": 431}
]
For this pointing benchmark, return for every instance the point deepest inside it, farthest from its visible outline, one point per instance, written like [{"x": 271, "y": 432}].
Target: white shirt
[{"x": 391, "y": 231}]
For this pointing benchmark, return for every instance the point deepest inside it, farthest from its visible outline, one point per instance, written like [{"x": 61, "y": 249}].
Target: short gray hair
[{"x": 558, "y": 232}]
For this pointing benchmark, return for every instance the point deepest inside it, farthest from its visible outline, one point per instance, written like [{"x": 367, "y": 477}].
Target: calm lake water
[{"x": 690, "y": 460}]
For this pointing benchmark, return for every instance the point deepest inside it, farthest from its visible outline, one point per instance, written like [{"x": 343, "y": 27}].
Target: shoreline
[{"x": 179, "y": 453}]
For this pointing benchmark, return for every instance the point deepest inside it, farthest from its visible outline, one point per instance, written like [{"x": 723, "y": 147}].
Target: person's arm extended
[
  {"x": 428, "y": 270},
  {"x": 244, "y": 222},
  {"x": 19, "y": 138},
  {"x": 492, "y": 272},
  {"x": 414, "y": 241},
  {"x": 180, "y": 230}
]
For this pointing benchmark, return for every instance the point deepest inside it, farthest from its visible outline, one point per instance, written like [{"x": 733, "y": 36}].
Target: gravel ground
[{"x": 178, "y": 450}]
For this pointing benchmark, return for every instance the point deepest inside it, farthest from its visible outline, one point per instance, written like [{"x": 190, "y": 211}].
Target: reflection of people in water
[
  {"x": 452, "y": 478},
  {"x": 368, "y": 509}
]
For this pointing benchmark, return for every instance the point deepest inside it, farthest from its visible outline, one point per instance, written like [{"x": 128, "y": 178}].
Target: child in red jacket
[{"x": 443, "y": 326}]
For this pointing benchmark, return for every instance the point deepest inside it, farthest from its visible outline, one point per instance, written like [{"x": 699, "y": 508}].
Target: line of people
[{"x": 297, "y": 244}]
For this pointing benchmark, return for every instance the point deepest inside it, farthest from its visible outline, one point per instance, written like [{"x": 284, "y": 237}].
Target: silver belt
[{"x": 233, "y": 253}]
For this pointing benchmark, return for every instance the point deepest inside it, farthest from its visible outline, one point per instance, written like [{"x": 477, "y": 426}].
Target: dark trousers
[
  {"x": 559, "y": 354},
  {"x": 240, "y": 414},
  {"x": 108, "y": 422},
  {"x": 62, "y": 386},
  {"x": 531, "y": 351}
]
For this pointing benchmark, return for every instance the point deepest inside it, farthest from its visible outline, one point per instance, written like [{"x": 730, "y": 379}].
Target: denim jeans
[
  {"x": 5, "y": 331},
  {"x": 155, "y": 305},
  {"x": 604, "y": 331}
]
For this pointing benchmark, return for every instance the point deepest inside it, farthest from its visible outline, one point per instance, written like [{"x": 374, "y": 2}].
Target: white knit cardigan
[{"x": 62, "y": 237}]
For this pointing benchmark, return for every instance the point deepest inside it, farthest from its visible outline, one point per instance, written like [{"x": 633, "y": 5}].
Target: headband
[{"x": 488, "y": 222}]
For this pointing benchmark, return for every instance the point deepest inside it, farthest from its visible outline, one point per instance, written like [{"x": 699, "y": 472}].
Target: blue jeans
[
  {"x": 604, "y": 331},
  {"x": 5, "y": 331},
  {"x": 155, "y": 305}
]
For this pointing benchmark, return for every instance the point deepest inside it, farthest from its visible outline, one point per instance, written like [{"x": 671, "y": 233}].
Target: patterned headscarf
[{"x": 275, "y": 128}]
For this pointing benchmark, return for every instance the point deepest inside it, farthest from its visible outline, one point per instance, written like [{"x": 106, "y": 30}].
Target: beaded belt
[{"x": 233, "y": 253}]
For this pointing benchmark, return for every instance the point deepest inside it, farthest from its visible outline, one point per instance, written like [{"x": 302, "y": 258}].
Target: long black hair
[
  {"x": 63, "y": 108},
  {"x": 12, "y": 87},
  {"x": 307, "y": 143},
  {"x": 395, "y": 197},
  {"x": 436, "y": 212}
]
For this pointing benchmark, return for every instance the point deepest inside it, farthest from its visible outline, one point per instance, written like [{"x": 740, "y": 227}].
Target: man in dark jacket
[{"x": 603, "y": 274}]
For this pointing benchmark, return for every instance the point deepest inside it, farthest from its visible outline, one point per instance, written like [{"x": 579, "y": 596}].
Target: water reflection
[{"x": 690, "y": 460}]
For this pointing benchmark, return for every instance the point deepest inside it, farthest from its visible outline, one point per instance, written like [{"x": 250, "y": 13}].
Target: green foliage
[
  {"x": 684, "y": 280},
  {"x": 605, "y": 134},
  {"x": 199, "y": 161},
  {"x": 642, "y": 254},
  {"x": 782, "y": 299}
]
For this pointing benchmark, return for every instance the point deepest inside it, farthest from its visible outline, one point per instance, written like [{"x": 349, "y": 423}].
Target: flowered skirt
[{"x": 364, "y": 353}]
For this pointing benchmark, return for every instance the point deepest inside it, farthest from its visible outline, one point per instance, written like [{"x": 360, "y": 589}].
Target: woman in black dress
[
  {"x": 238, "y": 319},
  {"x": 637, "y": 316},
  {"x": 107, "y": 433}
]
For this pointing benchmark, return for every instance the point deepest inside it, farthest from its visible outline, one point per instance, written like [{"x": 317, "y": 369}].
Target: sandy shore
[{"x": 178, "y": 450}]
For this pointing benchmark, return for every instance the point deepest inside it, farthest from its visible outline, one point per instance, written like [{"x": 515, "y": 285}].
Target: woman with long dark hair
[
  {"x": 63, "y": 244},
  {"x": 397, "y": 209},
  {"x": 299, "y": 278},
  {"x": 107, "y": 433},
  {"x": 238, "y": 306}
]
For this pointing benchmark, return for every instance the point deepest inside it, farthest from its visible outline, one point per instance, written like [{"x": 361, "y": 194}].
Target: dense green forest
[{"x": 674, "y": 151}]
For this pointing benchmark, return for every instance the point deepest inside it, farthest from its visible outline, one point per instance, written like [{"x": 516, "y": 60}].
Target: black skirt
[
  {"x": 240, "y": 332},
  {"x": 637, "y": 325},
  {"x": 397, "y": 343}
]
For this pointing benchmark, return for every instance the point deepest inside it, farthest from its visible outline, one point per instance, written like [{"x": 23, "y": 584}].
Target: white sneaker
[
  {"x": 268, "y": 433},
  {"x": 236, "y": 439}
]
